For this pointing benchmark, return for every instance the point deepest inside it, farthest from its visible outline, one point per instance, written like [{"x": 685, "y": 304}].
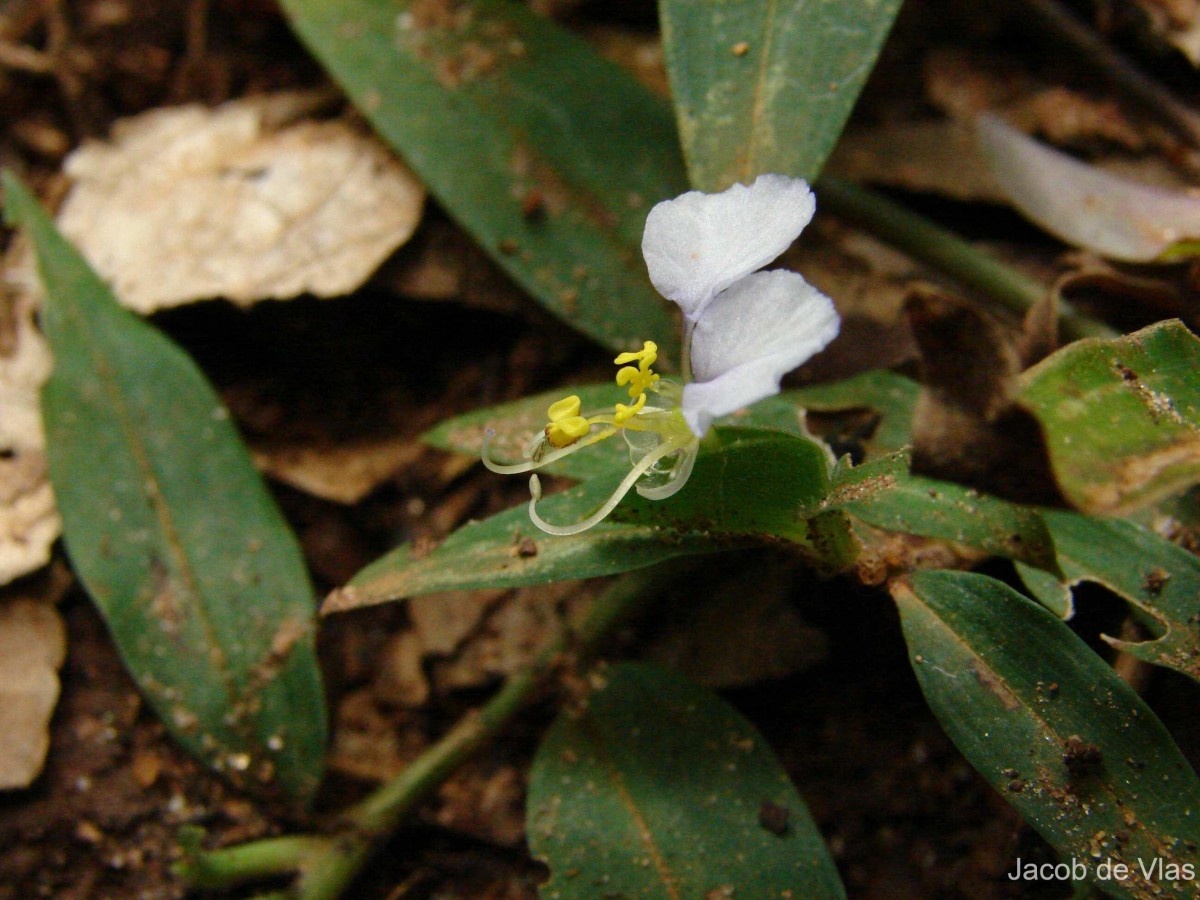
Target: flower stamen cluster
[{"x": 743, "y": 331}]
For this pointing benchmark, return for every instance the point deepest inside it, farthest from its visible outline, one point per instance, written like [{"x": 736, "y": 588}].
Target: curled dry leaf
[
  {"x": 190, "y": 203},
  {"x": 1084, "y": 205},
  {"x": 465, "y": 639},
  {"x": 29, "y": 522},
  {"x": 32, "y": 647}
]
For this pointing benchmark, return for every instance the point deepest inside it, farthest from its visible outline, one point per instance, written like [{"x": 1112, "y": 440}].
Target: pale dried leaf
[
  {"x": 32, "y": 647},
  {"x": 1083, "y": 205},
  {"x": 29, "y": 521},
  {"x": 190, "y": 203}
]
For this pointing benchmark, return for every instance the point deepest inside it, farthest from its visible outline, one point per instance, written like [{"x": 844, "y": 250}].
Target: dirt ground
[{"x": 903, "y": 813}]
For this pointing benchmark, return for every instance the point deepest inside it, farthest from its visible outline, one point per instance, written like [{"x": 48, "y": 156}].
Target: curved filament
[
  {"x": 546, "y": 459},
  {"x": 677, "y": 477},
  {"x": 535, "y": 489}
]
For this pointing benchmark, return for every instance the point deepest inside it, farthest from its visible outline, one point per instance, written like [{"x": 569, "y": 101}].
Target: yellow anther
[
  {"x": 566, "y": 424},
  {"x": 640, "y": 379},
  {"x": 646, "y": 356},
  {"x": 623, "y": 413},
  {"x": 564, "y": 408}
]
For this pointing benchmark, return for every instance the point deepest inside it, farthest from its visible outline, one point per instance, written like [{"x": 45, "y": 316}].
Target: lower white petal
[{"x": 749, "y": 337}]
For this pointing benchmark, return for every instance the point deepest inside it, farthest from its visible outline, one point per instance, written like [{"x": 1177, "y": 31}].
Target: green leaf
[
  {"x": 660, "y": 789},
  {"x": 1121, "y": 417},
  {"x": 1159, "y": 578},
  {"x": 756, "y": 481},
  {"x": 1053, "y": 729},
  {"x": 892, "y": 396},
  {"x": 507, "y": 550},
  {"x": 767, "y": 85},
  {"x": 173, "y": 533},
  {"x": 887, "y": 495},
  {"x": 748, "y": 487},
  {"x": 548, "y": 155}
]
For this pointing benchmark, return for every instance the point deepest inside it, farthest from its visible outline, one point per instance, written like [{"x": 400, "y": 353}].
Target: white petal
[
  {"x": 750, "y": 337},
  {"x": 698, "y": 244}
]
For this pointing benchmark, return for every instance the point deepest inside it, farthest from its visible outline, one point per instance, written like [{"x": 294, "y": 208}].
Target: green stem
[
  {"x": 327, "y": 865},
  {"x": 248, "y": 862},
  {"x": 944, "y": 250}
]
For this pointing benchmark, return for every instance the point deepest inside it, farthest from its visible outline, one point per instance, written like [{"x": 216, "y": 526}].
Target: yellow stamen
[
  {"x": 646, "y": 356},
  {"x": 639, "y": 379},
  {"x": 623, "y": 413},
  {"x": 566, "y": 424}
]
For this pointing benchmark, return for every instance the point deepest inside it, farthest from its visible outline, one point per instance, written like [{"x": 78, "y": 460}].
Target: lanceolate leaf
[
  {"x": 507, "y": 550},
  {"x": 173, "y": 533},
  {"x": 887, "y": 495},
  {"x": 659, "y": 789},
  {"x": 1159, "y": 578},
  {"x": 749, "y": 487},
  {"x": 766, "y": 85},
  {"x": 1055, "y": 731},
  {"x": 1121, "y": 417},
  {"x": 550, "y": 156}
]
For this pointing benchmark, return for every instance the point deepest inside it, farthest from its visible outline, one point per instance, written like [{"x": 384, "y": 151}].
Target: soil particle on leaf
[
  {"x": 774, "y": 818},
  {"x": 1080, "y": 757}
]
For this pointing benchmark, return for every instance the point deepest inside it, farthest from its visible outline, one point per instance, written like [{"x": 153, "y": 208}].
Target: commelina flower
[{"x": 743, "y": 331}]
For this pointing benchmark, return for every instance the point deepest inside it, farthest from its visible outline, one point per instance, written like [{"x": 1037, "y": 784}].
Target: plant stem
[
  {"x": 261, "y": 859},
  {"x": 327, "y": 864},
  {"x": 932, "y": 244}
]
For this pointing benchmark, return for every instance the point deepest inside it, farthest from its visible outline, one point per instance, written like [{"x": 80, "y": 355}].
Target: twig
[
  {"x": 944, "y": 250},
  {"x": 326, "y": 864}
]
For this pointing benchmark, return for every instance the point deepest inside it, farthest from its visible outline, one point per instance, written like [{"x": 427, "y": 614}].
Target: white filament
[{"x": 535, "y": 489}]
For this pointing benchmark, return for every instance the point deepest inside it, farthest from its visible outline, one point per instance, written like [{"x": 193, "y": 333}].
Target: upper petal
[
  {"x": 699, "y": 244},
  {"x": 749, "y": 337}
]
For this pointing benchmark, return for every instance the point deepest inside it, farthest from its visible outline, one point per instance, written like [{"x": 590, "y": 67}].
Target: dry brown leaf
[
  {"x": 190, "y": 203},
  {"x": 868, "y": 280},
  {"x": 966, "y": 427},
  {"x": 936, "y": 155},
  {"x": 510, "y": 634},
  {"x": 464, "y": 639},
  {"x": 940, "y": 155},
  {"x": 443, "y": 263},
  {"x": 29, "y": 521},
  {"x": 32, "y": 647},
  {"x": 344, "y": 473}
]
